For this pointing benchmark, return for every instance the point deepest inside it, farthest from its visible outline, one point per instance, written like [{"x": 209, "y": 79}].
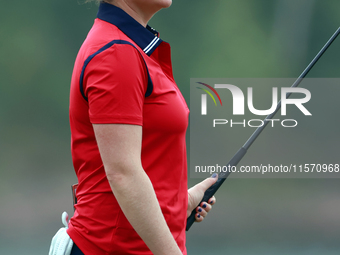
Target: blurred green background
[{"x": 220, "y": 38}]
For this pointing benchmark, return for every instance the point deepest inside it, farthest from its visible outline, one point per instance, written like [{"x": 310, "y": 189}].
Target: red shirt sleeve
[{"x": 115, "y": 84}]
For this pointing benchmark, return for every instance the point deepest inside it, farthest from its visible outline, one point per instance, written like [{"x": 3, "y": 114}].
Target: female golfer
[{"x": 128, "y": 123}]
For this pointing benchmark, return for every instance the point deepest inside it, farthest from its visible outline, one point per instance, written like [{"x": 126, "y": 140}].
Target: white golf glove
[{"x": 61, "y": 242}]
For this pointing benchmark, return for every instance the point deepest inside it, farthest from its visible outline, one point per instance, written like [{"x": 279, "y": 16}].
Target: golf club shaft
[{"x": 243, "y": 150}]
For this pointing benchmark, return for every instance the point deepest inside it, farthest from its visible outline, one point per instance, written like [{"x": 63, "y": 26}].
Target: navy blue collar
[{"x": 146, "y": 38}]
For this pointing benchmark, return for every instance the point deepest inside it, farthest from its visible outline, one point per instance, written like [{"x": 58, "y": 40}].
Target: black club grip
[{"x": 212, "y": 190}]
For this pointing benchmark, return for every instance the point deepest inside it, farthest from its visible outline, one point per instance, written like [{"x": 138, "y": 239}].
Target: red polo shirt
[{"x": 123, "y": 74}]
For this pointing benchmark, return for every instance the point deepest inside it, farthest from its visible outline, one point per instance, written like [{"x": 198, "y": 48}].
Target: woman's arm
[{"x": 120, "y": 150}]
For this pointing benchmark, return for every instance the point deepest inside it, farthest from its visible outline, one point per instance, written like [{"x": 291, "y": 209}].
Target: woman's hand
[{"x": 195, "y": 195}]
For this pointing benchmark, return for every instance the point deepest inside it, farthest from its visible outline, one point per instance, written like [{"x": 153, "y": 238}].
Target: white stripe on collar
[{"x": 151, "y": 44}]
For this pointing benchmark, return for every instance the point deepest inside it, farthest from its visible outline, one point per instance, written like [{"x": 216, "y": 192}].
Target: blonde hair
[{"x": 98, "y": 1}]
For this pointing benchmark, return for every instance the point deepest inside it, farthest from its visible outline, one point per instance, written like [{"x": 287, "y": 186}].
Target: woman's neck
[{"x": 142, "y": 14}]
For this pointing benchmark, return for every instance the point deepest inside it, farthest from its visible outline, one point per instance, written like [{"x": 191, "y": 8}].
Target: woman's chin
[{"x": 165, "y": 3}]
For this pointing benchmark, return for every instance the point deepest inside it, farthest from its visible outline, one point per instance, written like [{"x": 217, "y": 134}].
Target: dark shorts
[{"x": 75, "y": 250}]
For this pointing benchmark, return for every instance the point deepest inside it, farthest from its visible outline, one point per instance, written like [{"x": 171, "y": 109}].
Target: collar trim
[{"x": 146, "y": 38}]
